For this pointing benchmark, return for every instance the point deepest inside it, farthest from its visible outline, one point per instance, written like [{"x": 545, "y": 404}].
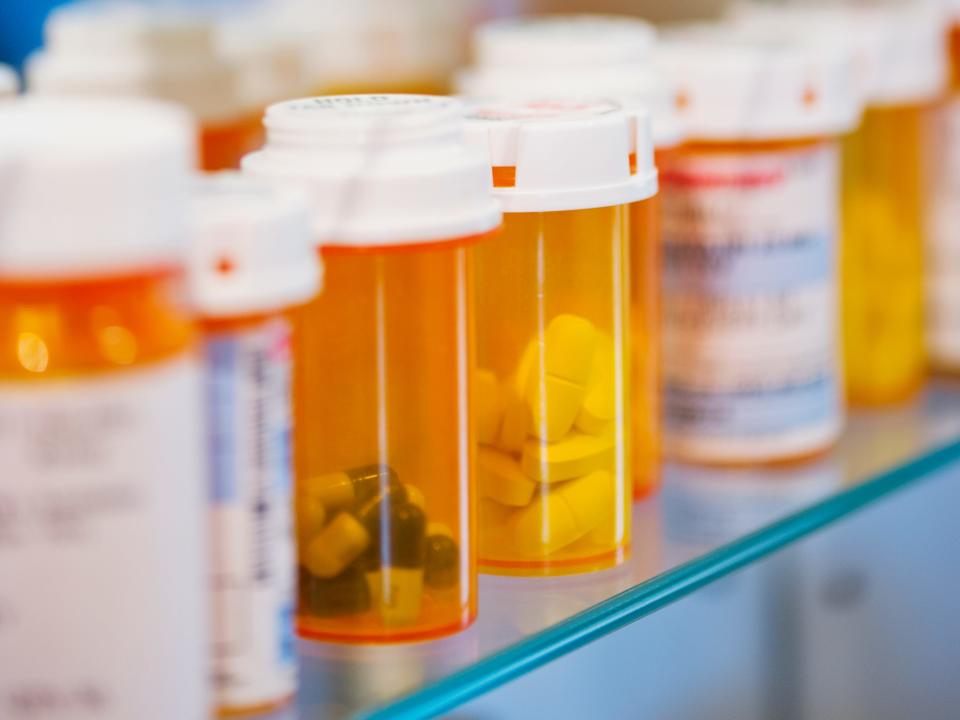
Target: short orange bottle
[
  {"x": 384, "y": 433},
  {"x": 553, "y": 341},
  {"x": 575, "y": 56}
]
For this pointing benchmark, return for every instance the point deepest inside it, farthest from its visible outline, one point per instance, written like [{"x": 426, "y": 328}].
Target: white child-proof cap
[
  {"x": 567, "y": 155},
  {"x": 732, "y": 87},
  {"x": 123, "y": 48},
  {"x": 93, "y": 186},
  {"x": 900, "y": 50},
  {"x": 252, "y": 251},
  {"x": 574, "y": 56},
  {"x": 380, "y": 169},
  {"x": 9, "y": 84}
]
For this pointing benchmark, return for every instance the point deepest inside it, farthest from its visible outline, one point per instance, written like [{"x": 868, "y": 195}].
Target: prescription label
[
  {"x": 943, "y": 233},
  {"x": 103, "y": 587},
  {"x": 248, "y": 400},
  {"x": 750, "y": 302}
]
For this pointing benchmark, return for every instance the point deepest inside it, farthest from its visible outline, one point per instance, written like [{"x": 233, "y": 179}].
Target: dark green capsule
[{"x": 345, "y": 594}]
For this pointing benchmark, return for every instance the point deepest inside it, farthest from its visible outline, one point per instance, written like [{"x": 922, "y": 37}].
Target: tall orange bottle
[
  {"x": 384, "y": 434},
  {"x": 554, "y": 338},
  {"x": 103, "y": 527},
  {"x": 575, "y": 56}
]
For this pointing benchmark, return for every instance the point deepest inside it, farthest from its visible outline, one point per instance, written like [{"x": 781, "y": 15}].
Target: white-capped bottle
[{"x": 103, "y": 543}]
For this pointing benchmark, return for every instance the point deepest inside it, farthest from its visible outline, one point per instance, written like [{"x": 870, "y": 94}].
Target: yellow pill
[
  {"x": 569, "y": 342},
  {"x": 529, "y": 362},
  {"x": 396, "y": 593},
  {"x": 488, "y": 406},
  {"x": 562, "y": 515},
  {"x": 340, "y": 543},
  {"x": 501, "y": 479},
  {"x": 311, "y": 515},
  {"x": 341, "y": 490},
  {"x": 574, "y": 456},
  {"x": 415, "y": 496},
  {"x": 554, "y": 405},
  {"x": 334, "y": 490},
  {"x": 600, "y": 400},
  {"x": 516, "y": 421}
]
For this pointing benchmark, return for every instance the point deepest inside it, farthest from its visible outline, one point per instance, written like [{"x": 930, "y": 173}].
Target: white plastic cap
[
  {"x": 573, "y": 56},
  {"x": 567, "y": 155},
  {"x": 900, "y": 49},
  {"x": 733, "y": 87},
  {"x": 9, "y": 83},
  {"x": 122, "y": 48},
  {"x": 380, "y": 169},
  {"x": 92, "y": 186},
  {"x": 253, "y": 251}
]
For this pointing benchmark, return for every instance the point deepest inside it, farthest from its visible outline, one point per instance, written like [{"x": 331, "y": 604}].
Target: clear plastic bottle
[
  {"x": 553, "y": 336},
  {"x": 120, "y": 48},
  {"x": 103, "y": 529},
  {"x": 750, "y": 213},
  {"x": 384, "y": 436},
  {"x": 573, "y": 56},
  {"x": 252, "y": 264}
]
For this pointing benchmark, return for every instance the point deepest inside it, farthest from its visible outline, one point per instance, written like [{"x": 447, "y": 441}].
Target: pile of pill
[
  {"x": 365, "y": 542},
  {"x": 547, "y": 456}
]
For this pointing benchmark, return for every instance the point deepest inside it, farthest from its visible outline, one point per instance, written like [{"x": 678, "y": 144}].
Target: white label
[
  {"x": 248, "y": 396},
  {"x": 750, "y": 348},
  {"x": 103, "y": 573},
  {"x": 943, "y": 233}
]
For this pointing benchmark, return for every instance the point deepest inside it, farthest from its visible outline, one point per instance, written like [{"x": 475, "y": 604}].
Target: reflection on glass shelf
[{"x": 705, "y": 524}]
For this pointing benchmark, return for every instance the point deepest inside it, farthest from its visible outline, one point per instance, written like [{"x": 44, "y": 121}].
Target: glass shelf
[{"x": 705, "y": 524}]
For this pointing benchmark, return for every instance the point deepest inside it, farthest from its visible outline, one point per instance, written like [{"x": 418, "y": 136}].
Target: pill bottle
[
  {"x": 102, "y": 528},
  {"x": 252, "y": 262},
  {"x": 383, "y": 433},
  {"x": 943, "y": 216},
  {"x": 553, "y": 336},
  {"x": 9, "y": 84},
  {"x": 573, "y": 56},
  {"x": 885, "y": 189},
  {"x": 381, "y": 46},
  {"x": 120, "y": 48},
  {"x": 751, "y": 353}
]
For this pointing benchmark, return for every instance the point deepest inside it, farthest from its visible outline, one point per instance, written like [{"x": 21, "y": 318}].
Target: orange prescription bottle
[
  {"x": 553, "y": 336},
  {"x": 573, "y": 56},
  {"x": 102, "y": 526},
  {"x": 122, "y": 48},
  {"x": 383, "y": 435},
  {"x": 252, "y": 262},
  {"x": 886, "y": 189},
  {"x": 382, "y": 46},
  {"x": 751, "y": 355},
  {"x": 9, "y": 84}
]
